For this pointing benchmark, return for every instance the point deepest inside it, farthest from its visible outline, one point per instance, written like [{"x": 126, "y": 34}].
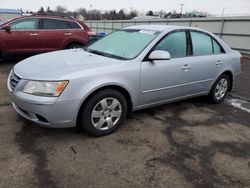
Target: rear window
[
  {"x": 74, "y": 25},
  {"x": 54, "y": 24}
]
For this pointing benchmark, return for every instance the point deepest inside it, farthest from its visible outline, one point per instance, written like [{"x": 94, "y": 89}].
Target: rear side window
[
  {"x": 202, "y": 44},
  {"x": 174, "y": 43},
  {"x": 54, "y": 24},
  {"x": 25, "y": 24},
  {"x": 74, "y": 25}
]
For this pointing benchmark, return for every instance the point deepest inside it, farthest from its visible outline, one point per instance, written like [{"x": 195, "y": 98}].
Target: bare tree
[{"x": 61, "y": 10}]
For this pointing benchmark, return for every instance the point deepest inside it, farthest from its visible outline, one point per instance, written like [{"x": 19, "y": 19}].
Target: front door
[
  {"x": 22, "y": 38},
  {"x": 163, "y": 80}
]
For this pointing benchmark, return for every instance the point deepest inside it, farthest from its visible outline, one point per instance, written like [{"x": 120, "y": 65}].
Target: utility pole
[
  {"x": 101, "y": 13},
  {"x": 182, "y": 5},
  {"x": 90, "y": 16},
  {"x": 223, "y": 12}
]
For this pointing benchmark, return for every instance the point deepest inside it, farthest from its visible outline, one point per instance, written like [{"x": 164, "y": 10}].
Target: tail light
[
  {"x": 91, "y": 33},
  {"x": 242, "y": 59}
]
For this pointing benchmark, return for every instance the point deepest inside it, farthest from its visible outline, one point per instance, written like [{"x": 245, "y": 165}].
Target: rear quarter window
[{"x": 74, "y": 25}]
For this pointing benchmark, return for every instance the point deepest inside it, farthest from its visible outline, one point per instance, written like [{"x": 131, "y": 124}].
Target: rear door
[
  {"x": 22, "y": 38},
  {"x": 206, "y": 61},
  {"x": 54, "y": 33}
]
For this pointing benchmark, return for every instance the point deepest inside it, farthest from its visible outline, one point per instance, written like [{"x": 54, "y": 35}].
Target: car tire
[
  {"x": 74, "y": 46},
  {"x": 220, "y": 89},
  {"x": 103, "y": 113}
]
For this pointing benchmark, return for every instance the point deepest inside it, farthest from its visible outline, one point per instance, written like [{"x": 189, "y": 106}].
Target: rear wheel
[
  {"x": 220, "y": 89},
  {"x": 103, "y": 113},
  {"x": 74, "y": 46}
]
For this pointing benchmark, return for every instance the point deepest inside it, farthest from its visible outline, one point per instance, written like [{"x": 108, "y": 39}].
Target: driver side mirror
[
  {"x": 159, "y": 55},
  {"x": 6, "y": 28}
]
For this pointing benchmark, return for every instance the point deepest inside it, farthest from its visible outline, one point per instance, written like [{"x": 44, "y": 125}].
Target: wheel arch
[
  {"x": 229, "y": 74},
  {"x": 119, "y": 88}
]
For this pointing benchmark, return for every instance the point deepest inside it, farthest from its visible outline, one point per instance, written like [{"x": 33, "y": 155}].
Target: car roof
[
  {"x": 162, "y": 28},
  {"x": 48, "y": 16}
]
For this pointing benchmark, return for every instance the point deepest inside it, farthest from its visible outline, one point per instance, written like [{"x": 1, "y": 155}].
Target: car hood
[{"x": 59, "y": 64}]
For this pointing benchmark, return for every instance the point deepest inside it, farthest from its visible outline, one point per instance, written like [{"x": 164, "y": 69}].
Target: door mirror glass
[
  {"x": 6, "y": 28},
  {"x": 159, "y": 55}
]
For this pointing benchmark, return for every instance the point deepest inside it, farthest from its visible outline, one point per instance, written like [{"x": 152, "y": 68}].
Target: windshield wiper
[{"x": 105, "y": 54}]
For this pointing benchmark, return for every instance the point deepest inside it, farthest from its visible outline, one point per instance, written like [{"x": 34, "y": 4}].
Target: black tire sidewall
[
  {"x": 212, "y": 93},
  {"x": 72, "y": 46},
  {"x": 85, "y": 119}
]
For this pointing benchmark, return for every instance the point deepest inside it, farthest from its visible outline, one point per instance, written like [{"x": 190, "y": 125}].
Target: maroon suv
[{"x": 30, "y": 35}]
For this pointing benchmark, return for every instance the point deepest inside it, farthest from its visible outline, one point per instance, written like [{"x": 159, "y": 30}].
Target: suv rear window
[
  {"x": 54, "y": 24},
  {"x": 74, "y": 25}
]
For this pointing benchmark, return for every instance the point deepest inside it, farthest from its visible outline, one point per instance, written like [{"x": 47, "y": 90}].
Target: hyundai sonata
[{"x": 130, "y": 69}]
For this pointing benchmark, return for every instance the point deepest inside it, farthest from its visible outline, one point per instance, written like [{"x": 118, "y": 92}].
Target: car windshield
[{"x": 123, "y": 44}]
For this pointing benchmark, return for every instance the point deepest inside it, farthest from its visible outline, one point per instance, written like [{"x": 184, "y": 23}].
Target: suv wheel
[
  {"x": 74, "y": 46},
  {"x": 220, "y": 89},
  {"x": 103, "y": 113}
]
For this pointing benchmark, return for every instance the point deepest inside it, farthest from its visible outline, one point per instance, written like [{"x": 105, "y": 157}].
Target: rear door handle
[
  {"x": 33, "y": 34},
  {"x": 219, "y": 63},
  {"x": 186, "y": 67},
  {"x": 67, "y": 34}
]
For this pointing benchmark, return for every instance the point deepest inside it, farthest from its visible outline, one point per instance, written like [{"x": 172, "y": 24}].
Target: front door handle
[
  {"x": 186, "y": 67},
  {"x": 33, "y": 34},
  {"x": 67, "y": 34}
]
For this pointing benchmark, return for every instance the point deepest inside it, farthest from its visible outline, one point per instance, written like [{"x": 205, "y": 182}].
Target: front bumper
[
  {"x": 58, "y": 114},
  {"x": 46, "y": 111}
]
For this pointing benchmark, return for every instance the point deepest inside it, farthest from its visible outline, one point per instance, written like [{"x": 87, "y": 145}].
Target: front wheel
[
  {"x": 220, "y": 89},
  {"x": 103, "y": 113}
]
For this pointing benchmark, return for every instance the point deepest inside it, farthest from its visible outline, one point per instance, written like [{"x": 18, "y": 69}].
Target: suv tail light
[
  {"x": 242, "y": 59},
  {"x": 91, "y": 33}
]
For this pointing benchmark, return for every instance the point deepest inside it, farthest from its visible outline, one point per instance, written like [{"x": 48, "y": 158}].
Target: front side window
[
  {"x": 24, "y": 24},
  {"x": 174, "y": 43},
  {"x": 123, "y": 44},
  {"x": 54, "y": 24}
]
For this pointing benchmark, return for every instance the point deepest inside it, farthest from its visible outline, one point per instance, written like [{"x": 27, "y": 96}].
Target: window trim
[
  {"x": 212, "y": 39},
  {"x": 146, "y": 58}
]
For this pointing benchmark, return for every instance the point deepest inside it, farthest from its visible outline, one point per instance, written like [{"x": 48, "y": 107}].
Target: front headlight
[{"x": 45, "y": 88}]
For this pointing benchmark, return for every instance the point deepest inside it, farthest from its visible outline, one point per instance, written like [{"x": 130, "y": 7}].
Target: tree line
[{"x": 95, "y": 14}]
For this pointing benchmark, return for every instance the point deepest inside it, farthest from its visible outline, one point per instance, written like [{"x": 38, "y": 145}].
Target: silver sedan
[{"x": 130, "y": 69}]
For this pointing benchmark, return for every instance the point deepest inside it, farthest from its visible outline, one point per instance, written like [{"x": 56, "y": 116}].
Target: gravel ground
[{"x": 186, "y": 144}]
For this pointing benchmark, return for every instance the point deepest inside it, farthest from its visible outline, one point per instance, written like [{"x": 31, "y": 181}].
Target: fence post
[
  {"x": 104, "y": 26},
  {"x": 190, "y": 22}
]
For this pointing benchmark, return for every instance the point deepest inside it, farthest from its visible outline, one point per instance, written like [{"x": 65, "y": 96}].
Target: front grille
[{"x": 14, "y": 80}]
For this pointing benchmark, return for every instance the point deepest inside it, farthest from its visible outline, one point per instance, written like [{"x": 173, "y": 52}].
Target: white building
[{"x": 6, "y": 14}]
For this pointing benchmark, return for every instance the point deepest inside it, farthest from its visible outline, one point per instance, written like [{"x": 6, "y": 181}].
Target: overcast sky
[{"x": 211, "y": 6}]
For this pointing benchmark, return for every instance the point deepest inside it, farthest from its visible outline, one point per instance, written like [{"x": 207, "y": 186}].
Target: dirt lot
[{"x": 186, "y": 144}]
